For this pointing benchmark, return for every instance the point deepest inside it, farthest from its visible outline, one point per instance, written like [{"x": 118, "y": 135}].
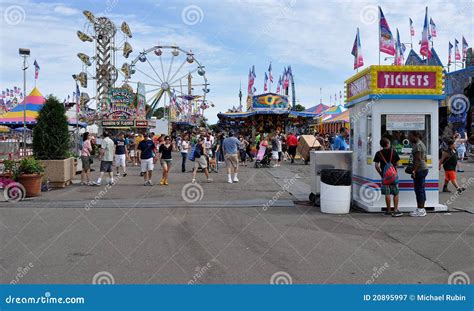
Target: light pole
[{"x": 24, "y": 53}]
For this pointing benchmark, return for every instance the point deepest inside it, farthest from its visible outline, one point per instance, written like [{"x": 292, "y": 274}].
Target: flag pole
[{"x": 379, "y": 36}]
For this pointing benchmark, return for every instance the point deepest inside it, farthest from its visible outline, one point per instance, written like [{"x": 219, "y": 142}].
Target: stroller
[{"x": 263, "y": 157}]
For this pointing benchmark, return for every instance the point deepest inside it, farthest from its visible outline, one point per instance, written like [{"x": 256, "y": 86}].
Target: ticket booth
[{"x": 391, "y": 101}]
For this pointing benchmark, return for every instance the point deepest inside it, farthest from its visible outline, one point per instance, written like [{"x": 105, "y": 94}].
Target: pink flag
[
  {"x": 433, "y": 28},
  {"x": 450, "y": 48},
  {"x": 399, "y": 51},
  {"x": 265, "y": 83},
  {"x": 425, "y": 44},
  {"x": 37, "y": 69},
  {"x": 356, "y": 52},
  {"x": 386, "y": 41},
  {"x": 464, "y": 48},
  {"x": 457, "y": 55}
]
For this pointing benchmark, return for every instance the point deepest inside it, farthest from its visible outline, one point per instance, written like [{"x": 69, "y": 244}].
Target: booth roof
[
  {"x": 265, "y": 112},
  {"x": 319, "y": 108}
]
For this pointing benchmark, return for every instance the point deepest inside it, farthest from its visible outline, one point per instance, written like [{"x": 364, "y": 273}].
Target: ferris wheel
[{"x": 173, "y": 78}]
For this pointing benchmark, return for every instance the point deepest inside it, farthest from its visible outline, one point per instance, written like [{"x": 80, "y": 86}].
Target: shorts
[
  {"x": 146, "y": 165},
  {"x": 275, "y": 155},
  {"x": 106, "y": 166},
  {"x": 450, "y": 176},
  {"x": 86, "y": 164},
  {"x": 292, "y": 150},
  {"x": 231, "y": 160},
  {"x": 390, "y": 189},
  {"x": 131, "y": 153},
  {"x": 120, "y": 160},
  {"x": 200, "y": 162},
  {"x": 166, "y": 162}
]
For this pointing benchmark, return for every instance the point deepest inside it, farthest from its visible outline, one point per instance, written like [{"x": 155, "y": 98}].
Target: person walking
[
  {"x": 449, "y": 162},
  {"x": 386, "y": 161},
  {"x": 200, "y": 159},
  {"x": 274, "y": 142},
  {"x": 292, "y": 143},
  {"x": 230, "y": 147},
  {"x": 86, "y": 159},
  {"x": 419, "y": 172},
  {"x": 460, "y": 144},
  {"x": 106, "y": 157},
  {"x": 184, "y": 148},
  {"x": 165, "y": 159},
  {"x": 340, "y": 143},
  {"x": 121, "y": 154},
  {"x": 131, "y": 149},
  {"x": 147, "y": 154},
  {"x": 243, "y": 149}
]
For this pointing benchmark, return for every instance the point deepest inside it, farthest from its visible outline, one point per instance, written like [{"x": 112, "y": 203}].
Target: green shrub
[{"x": 50, "y": 135}]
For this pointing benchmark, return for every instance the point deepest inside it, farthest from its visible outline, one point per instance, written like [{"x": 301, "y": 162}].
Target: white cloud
[{"x": 65, "y": 10}]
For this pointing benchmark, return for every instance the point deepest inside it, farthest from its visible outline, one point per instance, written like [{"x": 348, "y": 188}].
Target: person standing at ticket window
[{"x": 420, "y": 171}]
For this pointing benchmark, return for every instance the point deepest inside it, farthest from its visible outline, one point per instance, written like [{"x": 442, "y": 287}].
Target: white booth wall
[{"x": 364, "y": 134}]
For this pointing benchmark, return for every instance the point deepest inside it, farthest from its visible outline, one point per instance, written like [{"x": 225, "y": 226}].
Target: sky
[{"x": 227, "y": 37}]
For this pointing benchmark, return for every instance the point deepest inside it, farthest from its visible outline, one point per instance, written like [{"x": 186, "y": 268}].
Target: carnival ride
[{"x": 181, "y": 89}]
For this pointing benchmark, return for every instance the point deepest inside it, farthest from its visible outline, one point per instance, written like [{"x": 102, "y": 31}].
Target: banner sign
[
  {"x": 381, "y": 80},
  {"x": 125, "y": 123},
  {"x": 405, "y": 122},
  {"x": 141, "y": 99},
  {"x": 269, "y": 101},
  {"x": 120, "y": 104}
]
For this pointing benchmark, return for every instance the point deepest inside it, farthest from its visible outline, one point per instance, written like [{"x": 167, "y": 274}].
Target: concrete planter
[{"x": 59, "y": 172}]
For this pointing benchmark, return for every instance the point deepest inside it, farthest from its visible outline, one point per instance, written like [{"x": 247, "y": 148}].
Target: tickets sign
[{"x": 395, "y": 80}]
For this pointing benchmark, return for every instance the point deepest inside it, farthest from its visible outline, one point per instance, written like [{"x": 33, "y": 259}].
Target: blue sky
[{"x": 314, "y": 37}]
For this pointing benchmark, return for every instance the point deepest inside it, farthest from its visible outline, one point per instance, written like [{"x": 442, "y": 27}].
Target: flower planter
[
  {"x": 32, "y": 184},
  {"x": 59, "y": 172}
]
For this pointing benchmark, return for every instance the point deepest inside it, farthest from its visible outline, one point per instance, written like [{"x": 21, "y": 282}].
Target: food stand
[{"x": 390, "y": 101}]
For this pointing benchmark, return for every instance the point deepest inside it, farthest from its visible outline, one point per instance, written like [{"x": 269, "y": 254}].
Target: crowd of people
[{"x": 207, "y": 150}]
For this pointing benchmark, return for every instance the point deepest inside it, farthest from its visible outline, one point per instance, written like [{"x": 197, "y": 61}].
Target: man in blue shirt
[
  {"x": 340, "y": 143},
  {"x": 147, "y": 155},
  {"x": 230, "y": 146}
]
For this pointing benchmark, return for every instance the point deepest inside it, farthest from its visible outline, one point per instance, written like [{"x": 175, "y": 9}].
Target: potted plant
[
  {"x": 51, "y": 143},
  {"x": 29, "y": 173},
  {"x": 8, "y": 169}
]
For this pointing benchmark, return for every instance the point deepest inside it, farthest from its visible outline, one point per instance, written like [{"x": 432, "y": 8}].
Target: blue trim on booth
[
  {"x": 380, "y": 180},
  {"x": 392, "y": 96}
]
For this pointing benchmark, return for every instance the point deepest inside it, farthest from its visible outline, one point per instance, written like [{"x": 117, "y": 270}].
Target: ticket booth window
[{"x": 396, "y": 127}]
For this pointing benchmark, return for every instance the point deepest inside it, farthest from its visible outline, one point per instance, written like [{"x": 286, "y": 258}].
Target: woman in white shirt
[{"x": 184, "y": 147}]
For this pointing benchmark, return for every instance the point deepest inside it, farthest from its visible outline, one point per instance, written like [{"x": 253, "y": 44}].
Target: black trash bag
[{"x": 336, "y": 177}]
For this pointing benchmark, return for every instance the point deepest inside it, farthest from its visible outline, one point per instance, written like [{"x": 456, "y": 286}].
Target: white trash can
[{"x": 335, "y": 191}]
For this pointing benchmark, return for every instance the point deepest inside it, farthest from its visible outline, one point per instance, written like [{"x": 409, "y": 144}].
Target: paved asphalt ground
[{"x": 232, "y": 233}]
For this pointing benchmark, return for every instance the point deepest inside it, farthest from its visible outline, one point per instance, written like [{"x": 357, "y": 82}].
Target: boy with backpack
[
  {"x": 386, "y": 165},
  {"x": 449, "y": 161}
]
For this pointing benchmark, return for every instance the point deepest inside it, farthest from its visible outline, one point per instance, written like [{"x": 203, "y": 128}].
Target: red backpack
[{"x": 389, "y": 174}]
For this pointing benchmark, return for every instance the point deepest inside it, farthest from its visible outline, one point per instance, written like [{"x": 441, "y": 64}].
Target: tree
[
  {"x": 299, "y": 107},
  {"x": 50, "y": 135},
  {"x": 160, "y": 113}
]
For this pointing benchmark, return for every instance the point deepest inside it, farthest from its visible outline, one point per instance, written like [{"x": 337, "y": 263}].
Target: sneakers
[
  {"x": 210, "y": 179},
  {"x": 117, "y": 174},
  {"x": 397, "y": 214},
  {"x": 230, "y": 181},
  {"x": 148, "y": 183},
  {"x": 459, "y": 190},
  {"x": 95, "y": 183},
  {"x": 124, "y": 174},
  {"x": 236, "y": 180},
  {"x": 193, "y": 181},
  {"x": 445, "y": 189},
  {"x": 419, "y": 212}
]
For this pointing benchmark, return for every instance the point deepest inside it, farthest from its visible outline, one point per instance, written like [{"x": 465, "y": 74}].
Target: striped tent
[{"x": 34, "y": 103}]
